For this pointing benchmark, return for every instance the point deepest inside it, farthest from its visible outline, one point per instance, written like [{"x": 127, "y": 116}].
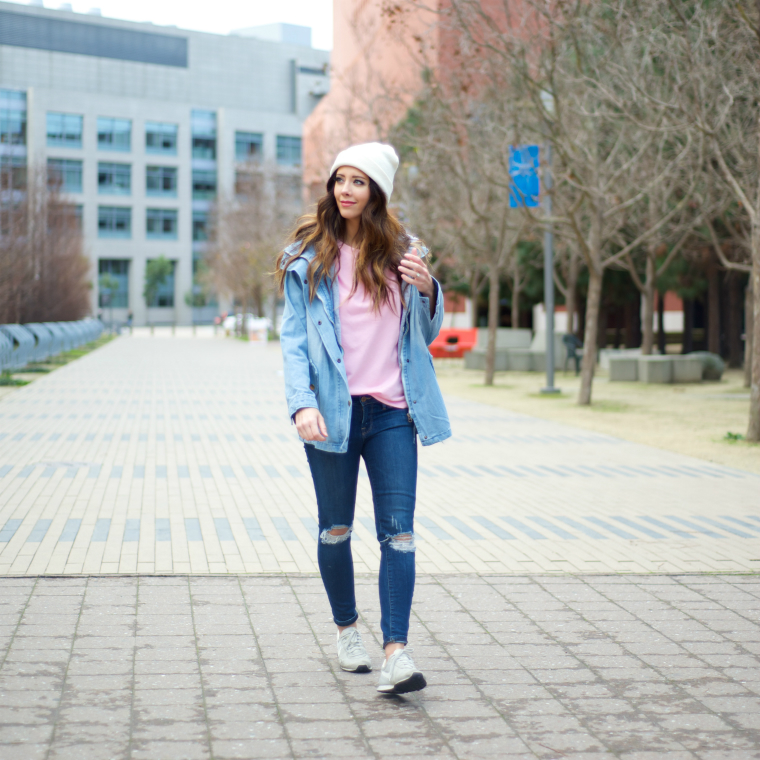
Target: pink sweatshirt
[{"x": 370, "y": 338}]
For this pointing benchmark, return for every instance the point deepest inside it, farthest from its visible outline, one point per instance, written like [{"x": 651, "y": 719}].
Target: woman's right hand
[{"x": 310, "y": 424}]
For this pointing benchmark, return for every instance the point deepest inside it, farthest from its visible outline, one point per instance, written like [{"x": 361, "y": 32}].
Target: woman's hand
[
  {"x": 414, "y": 271},
  {"x": 310, "y": 424}
]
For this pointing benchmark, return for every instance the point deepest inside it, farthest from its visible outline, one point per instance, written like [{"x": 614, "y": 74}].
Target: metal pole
[{"x": 549, "y": 274}]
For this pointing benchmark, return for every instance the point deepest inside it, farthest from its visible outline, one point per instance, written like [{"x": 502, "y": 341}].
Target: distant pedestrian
[
  {"x": 130, "y": 319},
  {"x": 361, "y": 309}
]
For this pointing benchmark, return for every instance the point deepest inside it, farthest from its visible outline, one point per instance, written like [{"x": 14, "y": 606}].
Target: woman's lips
[{"x": 348, "y": 203}]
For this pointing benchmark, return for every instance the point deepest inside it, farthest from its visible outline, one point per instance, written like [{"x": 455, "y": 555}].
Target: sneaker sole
[
  {"x": 360, "y": 669},
  {"x": 415, "y": 682}
]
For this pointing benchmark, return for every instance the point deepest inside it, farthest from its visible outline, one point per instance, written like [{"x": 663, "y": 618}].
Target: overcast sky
[{"x": 219, "y": 16}]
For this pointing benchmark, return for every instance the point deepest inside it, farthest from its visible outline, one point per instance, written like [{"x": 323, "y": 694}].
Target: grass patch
[
  {"x": 605, "y": 405},
  {"x": 733, "y": 437},
  {"x": 6, "y": 379},
  {"x": 549, "y": 395}
]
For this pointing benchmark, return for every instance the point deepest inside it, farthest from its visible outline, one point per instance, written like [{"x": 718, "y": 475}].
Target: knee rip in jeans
[
  {"x": 403, "y": 542},
  {"x": 336, "y": 535}
]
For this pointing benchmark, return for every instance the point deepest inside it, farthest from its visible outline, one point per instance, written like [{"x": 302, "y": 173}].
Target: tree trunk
[
  {"x": 515, "y": 303},
  {"x": 661, "y": 345},
  {"x": 748, "y": 319},
  {"x": 734, "y": 320},
  {"x": 275, "y": 332},
  {"x": 647, "y": 296},
  {"x": 753, "y": 429},
  {"x": 474, "y": 292},
  {"x": 493, "y": 321},
  {"x": 687, "y": 343},
  {"x": 713, "y": 304},
  {"x": 588, "y": 365},
  {"x": 572, "y": 293}
]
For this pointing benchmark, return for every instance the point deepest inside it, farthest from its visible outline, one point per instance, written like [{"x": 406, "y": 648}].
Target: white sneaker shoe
[
  {"x": 399, "y": 674},
  {"x": 352, "y": 655}
]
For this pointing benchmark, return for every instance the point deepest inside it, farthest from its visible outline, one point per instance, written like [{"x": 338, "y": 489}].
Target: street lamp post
[{"x": 549, "y": 273}]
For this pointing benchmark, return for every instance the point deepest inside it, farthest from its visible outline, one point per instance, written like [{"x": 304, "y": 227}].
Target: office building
[{"x": 144, "y": 127}]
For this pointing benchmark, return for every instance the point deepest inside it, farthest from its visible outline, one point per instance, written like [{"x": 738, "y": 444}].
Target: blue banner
[{"x": 523, "y": 169}]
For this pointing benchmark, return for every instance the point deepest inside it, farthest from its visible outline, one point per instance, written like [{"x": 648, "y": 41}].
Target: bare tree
[
  {"x": 247, "y": 231},
  {"x": 585, "y": 78},
  {"x": 461, "y": 186},
  {"x": 717, "y": 49},
  {"x": 44, "y": 274}
]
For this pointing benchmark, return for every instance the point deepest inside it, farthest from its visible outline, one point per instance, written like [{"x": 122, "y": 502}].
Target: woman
[{"x": 360, "y": 310}]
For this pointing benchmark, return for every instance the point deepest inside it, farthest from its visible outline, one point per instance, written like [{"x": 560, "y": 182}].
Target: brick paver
[
  {"x": 174, "y": 668},
  {"x": 157, "y": 455}
]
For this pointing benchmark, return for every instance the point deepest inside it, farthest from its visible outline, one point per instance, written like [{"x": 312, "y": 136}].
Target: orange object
[{"x": 453, "y": 343}]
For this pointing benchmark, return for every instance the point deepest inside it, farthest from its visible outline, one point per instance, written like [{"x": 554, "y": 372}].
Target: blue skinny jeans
[{"x": 385, "y": 437}]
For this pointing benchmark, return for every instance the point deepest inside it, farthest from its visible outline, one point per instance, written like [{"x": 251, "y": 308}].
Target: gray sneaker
[
  {"x": 399, "y": 674},
  {"x": 352, "y": 655}
]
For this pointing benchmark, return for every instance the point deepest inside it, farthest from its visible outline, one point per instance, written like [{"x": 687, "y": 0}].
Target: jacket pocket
[{"x": 313, "y": 379}]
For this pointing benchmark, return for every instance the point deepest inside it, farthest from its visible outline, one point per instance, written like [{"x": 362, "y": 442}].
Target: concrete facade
[{"x": 252, "y": 85}]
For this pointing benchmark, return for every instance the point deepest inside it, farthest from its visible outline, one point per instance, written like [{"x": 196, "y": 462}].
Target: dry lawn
[{"x": 690, "y": 419}]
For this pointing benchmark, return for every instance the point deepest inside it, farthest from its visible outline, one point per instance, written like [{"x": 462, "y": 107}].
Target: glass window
[
  {"x": 114, "y": 222},
  {"x": 118, "y": 269},
  {"x": 249, "y": 146},
  {"x": 114, "y": 134},
  {"x": 165, "y": 291},
  {"x": 204, "y": 184},
  {"x": 160, "y": 138},
  {"x": 161, "y": 180},
  {"x": 203, "y": 125},
  {"x": 161, "y": 223},
  {"x": 114, "y": 179},
  {"x": 200, "y": 226},
  {"x": 65, "y": 174},
  {"x": 12, "y": 172},
  {"x": 64, "y": 130},
  {"x": 288, "y": 150},
  {"x": 12, "y": 117}
]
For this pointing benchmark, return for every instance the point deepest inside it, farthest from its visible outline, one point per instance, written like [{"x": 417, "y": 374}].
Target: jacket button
[
  {"x": 349, "y": 403},
  {"x": 426, "y": 438},
  {"x": 319, "y": 323},
  {"x": 305, "y": 282},
  {"x": 338, "y": 361},
  {"x": 414, "y": 402},
  {"x": 407, "y": 361},
  {"x": 311, "y": 387}
]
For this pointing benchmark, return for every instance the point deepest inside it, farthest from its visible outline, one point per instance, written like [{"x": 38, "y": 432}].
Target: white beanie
[{"x": 377, "y": 160}]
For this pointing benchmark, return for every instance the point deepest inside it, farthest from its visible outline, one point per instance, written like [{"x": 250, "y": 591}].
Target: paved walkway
[
  {"x": 177, "y": 668},
  {"x": 156, "y": 474},
  {"x": 158, "y": 455}
]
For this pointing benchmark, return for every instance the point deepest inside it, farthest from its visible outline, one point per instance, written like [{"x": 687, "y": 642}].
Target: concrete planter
[
  {"x": 623, "y": 369},
  {"x": 687, "y": 369},
  {"x": 656, "y": 369},
  {"x": 520, "y": 360},
  {"x": 476, "y": 359}
]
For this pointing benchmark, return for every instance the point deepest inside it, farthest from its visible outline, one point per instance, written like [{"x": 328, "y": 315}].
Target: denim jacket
[{"x": 315, "y": 375}]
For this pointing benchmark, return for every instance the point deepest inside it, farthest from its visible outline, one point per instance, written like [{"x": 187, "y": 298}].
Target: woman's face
[{"x": 351, "y": 191}]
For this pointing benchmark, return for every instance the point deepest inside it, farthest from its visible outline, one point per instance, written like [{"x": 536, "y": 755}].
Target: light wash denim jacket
[{"x": 315, "y": 375}]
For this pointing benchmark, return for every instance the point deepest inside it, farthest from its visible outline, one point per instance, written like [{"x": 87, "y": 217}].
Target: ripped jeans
[{"x": 386, "y": 439}]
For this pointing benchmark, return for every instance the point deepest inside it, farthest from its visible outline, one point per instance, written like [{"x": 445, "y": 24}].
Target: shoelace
[
  {"x": 354, "y": 644},
  {"x": 406, "y": 654}
]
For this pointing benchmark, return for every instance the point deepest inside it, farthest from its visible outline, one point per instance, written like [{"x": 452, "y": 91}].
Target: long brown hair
[{"x": 383, "y": 243}]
